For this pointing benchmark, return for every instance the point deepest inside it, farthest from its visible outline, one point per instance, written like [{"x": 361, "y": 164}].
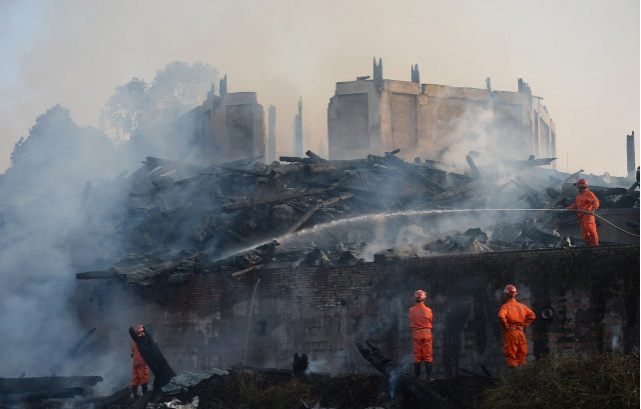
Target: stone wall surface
[{"x": 586, "y": 299}]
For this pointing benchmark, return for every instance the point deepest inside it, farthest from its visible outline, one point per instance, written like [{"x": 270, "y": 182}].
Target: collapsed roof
[{"x": 176, "y": 219}]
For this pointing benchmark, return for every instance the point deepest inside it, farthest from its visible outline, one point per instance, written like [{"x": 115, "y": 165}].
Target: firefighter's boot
[
  {"x": 417, "y": 370},
  {"x": 134, "y": 391},
  {"x": 144, "y": 388},
  {"x": 428, "y": 370}
]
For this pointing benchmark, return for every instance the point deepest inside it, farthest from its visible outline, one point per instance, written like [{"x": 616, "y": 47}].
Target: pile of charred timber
[
  {"x": 18, "y": 391},
  {"x": 176, "y": 219}
]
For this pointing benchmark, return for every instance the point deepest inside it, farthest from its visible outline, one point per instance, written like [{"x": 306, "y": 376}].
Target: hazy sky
[{"x": 580, "y": 56}]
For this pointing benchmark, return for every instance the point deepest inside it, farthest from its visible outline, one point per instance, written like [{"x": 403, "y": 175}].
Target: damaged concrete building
[
  {"x": 374, "y": 116},
  {"x": 426, "y": 120},
  {"x": 224, "y": 128}
]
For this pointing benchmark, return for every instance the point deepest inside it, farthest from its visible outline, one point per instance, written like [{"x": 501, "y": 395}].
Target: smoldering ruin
[{"x": 244, "y": 266}]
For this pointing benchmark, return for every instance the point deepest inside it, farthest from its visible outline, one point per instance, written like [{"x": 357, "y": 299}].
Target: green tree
[
  {"x": 60, "y": 151},
  {"x": 123, "y": 115},
  {"x": 146, "y": 114}
]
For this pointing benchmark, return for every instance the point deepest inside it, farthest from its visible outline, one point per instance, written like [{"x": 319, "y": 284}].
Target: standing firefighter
[
  {"x": 515, "y": 318},
  {"x": 140, "y": 368},
  {"x": 421, "y": 326},
  {"x": 586, "y": 201}
]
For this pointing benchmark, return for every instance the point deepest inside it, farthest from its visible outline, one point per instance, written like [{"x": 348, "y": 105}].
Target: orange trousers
[
  {"x": 141, "y": 374},
  {"x": 588, "y": 230},
  {"x": 422, "y": 341},
  {"x": 514, "y": 348}
]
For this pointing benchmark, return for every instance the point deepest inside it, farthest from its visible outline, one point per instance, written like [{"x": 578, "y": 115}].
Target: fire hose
[{"x": 600, "y": 218}]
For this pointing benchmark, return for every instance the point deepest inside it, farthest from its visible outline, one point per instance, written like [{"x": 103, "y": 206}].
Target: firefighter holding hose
[
  {"x": 586, "y": 203},
  {"x": 514, "y": 318}
]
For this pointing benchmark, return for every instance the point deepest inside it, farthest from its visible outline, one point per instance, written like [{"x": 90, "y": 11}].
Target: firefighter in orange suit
[
  {"x": 515, "y": 318},
  {"x": 586, "y": 201},
  {"x": 421, "y": 326},
  {"x": 140, "y": 369}
]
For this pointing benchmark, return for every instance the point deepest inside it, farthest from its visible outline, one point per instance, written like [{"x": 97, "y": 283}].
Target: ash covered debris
[{"x": 176, "y": 219}]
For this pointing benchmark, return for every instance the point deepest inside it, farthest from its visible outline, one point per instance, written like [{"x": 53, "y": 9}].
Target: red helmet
[
  {"x": 581, "y": 183},
  {"x": 140, "y": 328},
  {"x": 509, "y": 289},
  {"x": 419, "y": 295}
]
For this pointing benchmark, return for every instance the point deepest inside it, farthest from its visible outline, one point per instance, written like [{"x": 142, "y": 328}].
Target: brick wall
[{"x": 590, "y": 297}]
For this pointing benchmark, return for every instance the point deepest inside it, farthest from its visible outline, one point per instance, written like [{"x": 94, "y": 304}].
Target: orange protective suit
[
  {"x": 588, "y": 201},
  {"x": 421, "y": 326},
  {"x": 515, "y": 317},
  {"x": 140, "y": 369}
]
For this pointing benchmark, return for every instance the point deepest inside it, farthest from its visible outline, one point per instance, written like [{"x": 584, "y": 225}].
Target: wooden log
[
  {"x": 48, "y": 383},
  {"x": 303, "y": 219},
  {"x": 101, "y": 275},
  {"x": 337, "y": 166},
  {"x": 278, "y": 199},
  {"x": 63, "y": 393},
  {"x": 244, "y": 171},
  {"x": 286, "y": 170},
  {"x": 246, "y": 270},
  {"x": 238, "y": 237},
  {"x": 154, "y": 358},
  {"x": 296, "y": 159},
  {"x": 314, "y": 156},
  {"x": 315, "y": 208},
  {"x": 475, "y": 170}
]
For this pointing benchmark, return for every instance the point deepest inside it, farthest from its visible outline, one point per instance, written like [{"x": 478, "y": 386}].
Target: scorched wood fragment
[
  {"x": 315, "y": 156},
  {"x": 46, "y": 384},
  {"x": 400, "y": 381},
  {"x": 278, "y": 199},
  {"x": 315, "y": 208}
]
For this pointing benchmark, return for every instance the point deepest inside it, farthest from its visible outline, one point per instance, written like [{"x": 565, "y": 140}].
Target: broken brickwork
[{"x": 588, "y": 296}]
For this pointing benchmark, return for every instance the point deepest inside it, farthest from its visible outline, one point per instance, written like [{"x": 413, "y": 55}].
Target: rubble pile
[{"x": 176, "y": 219}]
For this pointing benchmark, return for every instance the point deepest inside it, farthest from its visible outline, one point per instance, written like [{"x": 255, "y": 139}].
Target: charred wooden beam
[
  {"x": 17, "y": 398},
  {"x": 391, "y": 160},
  {"x": 43, "y": 384},
  {"x": 314, "y": 156},
  {"x": 238, "y": 237},
  {"x": 287, "y": 170},
  {"x": 317, "y": 207},
  {"x": 246, "y": 270},
  {"x": 101, "y": 275},
  {"x": 400, "y": 380},
  {"x": 475, "y": 170},
  {"x": 303, "y": 219},
  {"x": 74, "y": 349},
  {"x": 278, "y": 199},
  {"x": 458, "y": 190},
  {"x": 296, "y": 159},
  {"x": 244, "y": 171},
  {"x": 141, "y": 272},
  {"x": 337, "y": 165}
]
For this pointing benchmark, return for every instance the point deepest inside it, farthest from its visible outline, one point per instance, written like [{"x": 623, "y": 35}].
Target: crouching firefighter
[
  {"x": 421, "y": 326},
  {"x": 140, "y": 368}
]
